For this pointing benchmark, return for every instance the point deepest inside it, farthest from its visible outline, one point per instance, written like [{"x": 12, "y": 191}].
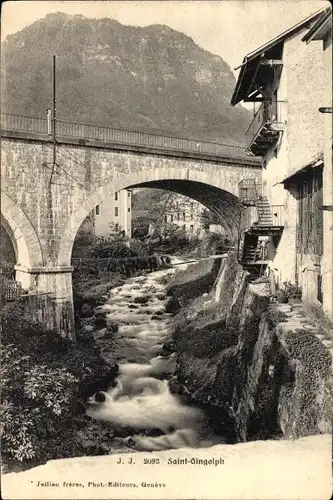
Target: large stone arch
[
  {"x": 22, "y": 234},
  {"x": 216, "y": 194}
]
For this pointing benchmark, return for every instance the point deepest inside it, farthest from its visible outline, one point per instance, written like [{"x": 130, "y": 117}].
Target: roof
[
  {"x": 316, "y": 162},
  {"x": 251, "y": 61},
  {"x": 321, "y": 27}
]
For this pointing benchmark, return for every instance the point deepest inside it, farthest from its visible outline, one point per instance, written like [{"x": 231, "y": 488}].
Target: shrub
[
  {"x": 44, "y": 379},
  {"x": 292, "y": 291},
  {"x": 36, "y": 403}
]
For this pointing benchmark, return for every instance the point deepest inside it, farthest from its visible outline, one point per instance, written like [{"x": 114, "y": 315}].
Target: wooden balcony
[
  {"x": 270, "y": 218},
  {"x": 256, "y": 222},
  {"x": 265, "y": 128},
  {"x": 249, "y": 191}
]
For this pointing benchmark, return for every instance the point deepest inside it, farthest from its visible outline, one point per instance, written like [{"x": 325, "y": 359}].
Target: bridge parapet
[
  {"x": 42, "y": 208},
  {"x": 17, "y": 123}
]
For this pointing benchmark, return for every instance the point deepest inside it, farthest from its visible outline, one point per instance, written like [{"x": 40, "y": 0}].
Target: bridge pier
[{"x": 57, "y": 281}]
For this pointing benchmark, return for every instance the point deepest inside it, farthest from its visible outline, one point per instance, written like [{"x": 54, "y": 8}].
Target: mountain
[{"x": 151, "y": 79}]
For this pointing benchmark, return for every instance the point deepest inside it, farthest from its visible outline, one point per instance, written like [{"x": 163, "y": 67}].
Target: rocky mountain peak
[{"x": 144, "y": 78}]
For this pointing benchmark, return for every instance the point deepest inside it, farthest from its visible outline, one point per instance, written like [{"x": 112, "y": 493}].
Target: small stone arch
[
  {"x": 25, "y": 241},
  {"x": 218, "y": 196}
]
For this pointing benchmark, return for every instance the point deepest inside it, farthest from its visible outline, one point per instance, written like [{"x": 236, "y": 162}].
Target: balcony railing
[
  {"x": 259, "y": 135},
  {"x": 273, "y": 217},
  {"x": 249, "y": 191},
  {"x": 277, "y": 215},
  {"x": 12, "y": 122}
]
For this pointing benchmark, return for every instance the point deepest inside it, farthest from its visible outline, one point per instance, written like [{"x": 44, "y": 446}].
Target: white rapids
[{"x": 141, "y": 398}]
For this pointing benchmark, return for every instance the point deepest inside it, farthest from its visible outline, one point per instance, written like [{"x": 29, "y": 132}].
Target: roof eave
[
  {"x": 256, "y": 53},
  {"x": 235, "y": 99},
  {"x": 315, "y": 163},
  {"x": 323, "y": 24}
]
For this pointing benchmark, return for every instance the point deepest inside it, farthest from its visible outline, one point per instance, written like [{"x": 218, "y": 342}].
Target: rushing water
[{"x": 141, "y": 399}]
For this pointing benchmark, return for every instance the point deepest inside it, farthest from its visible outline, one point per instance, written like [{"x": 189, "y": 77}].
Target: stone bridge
[{"x": 43, "y": 204}]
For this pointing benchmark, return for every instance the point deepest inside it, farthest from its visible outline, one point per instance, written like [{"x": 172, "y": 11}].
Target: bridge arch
[
  {"x": 25, "y": 241},
  {"x": 216, "y": 194}
]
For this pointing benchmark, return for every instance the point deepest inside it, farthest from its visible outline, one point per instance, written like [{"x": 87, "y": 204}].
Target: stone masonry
[{"x": 43, "y": 217}]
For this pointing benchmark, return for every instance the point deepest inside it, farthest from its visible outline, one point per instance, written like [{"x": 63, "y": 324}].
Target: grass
[{"x": 316, "y": 317}]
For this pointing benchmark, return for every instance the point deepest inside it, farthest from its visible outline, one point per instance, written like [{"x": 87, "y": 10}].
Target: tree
[
  {"x": 149, "y": 207},
  {"x": 207, "y": 218}
]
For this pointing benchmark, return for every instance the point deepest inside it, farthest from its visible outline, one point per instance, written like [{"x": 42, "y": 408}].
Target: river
[{"x": 140, "y": 398}]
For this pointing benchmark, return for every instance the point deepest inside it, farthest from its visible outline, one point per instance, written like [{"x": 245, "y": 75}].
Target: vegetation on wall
[{"x": 7, "y": 253}]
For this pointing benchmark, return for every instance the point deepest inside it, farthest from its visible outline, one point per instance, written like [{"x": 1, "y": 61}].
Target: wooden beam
[
  {"x": 253, "y": 80},
  {"x": 325, "y": 110},
  {"x": 254, "y": 99},
  {"x": 271, "y": 62}
]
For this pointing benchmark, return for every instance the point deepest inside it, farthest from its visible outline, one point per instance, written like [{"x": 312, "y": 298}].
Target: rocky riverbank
[{"x": 249, "y": 364}]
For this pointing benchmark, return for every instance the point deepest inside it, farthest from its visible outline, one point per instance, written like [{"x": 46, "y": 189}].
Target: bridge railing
[{"x": 130, "y": 137}]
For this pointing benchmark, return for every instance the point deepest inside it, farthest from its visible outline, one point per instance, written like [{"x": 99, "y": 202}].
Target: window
[
  {"x": 184, "y": 216},
  {"x": 116, "y": 196},
  {"x": 191, "y": 228},
  {"x": 171, "y": 218},
  {"x": 116, "y": 211},
  {"x": 97, "y": 210},
  {"x": 192, "y": 216},
  {"x": 165, "y": 218},
  {"x": 178, "y": 216},
  {"x": 184, "y": 227},
  {"x": 128, "y": 210}
]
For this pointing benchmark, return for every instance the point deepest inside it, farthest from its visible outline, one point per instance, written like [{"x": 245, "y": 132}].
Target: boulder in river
[
  {"x": 169, "y": 347},
  {"x": 100, "y": 322},
  {"x": 141, "y": 300},
  {"x": 87, "y": 311},
  {"x": 101, "y": 313},
  {"x": 112, "y": 327},
  {"x": 157, "y": 318},
  {"x": 172, "y": 306},
  {"x": 100, "y": 333},
  {"x": 88, "y": 328}
]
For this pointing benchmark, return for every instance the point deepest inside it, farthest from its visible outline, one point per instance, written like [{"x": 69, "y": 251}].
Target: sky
[{"x": 227, "y": 28}]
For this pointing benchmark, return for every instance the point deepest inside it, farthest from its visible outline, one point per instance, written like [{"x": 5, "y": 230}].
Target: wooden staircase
[
  {"x": 264, "y": 212},
  {"x": 268, "y": 223},
  {"x": 249, "y": 248}
]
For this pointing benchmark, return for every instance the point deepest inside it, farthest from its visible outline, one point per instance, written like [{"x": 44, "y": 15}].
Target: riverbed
[{"x": 140, "y": 398}]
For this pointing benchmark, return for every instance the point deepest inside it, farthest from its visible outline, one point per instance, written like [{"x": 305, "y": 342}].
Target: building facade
[
  {"x": 322, "y": 31},
  {"x": 185, "y": 213},
  {"x": 115, "y": 214},
  {"x": 286, "y": 81}
]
